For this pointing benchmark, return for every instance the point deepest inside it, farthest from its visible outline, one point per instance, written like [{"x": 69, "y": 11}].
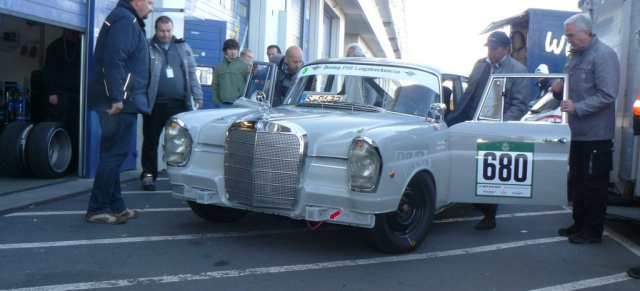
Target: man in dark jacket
[
  {"x": 287, "y": 66},
  {"x": 62, "y": 80},
  {"x": 498, "y": 61},
  {"x": 173, "y": 88},
  {"x": 117, "y": 92}
]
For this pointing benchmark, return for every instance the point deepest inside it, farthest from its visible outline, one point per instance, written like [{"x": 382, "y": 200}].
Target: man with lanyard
[{"x": 172, "y": 87}]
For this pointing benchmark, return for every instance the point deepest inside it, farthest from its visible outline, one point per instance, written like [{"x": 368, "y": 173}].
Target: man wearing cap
[{"x": 498, "y": 61}]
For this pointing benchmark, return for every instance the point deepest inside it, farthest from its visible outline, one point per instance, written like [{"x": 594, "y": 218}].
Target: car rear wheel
[
  {"x": 404, "y": 230},
  {"x": 49, "y": 150},
  {"x": 215, "y": 213},
  {"x": 13, "y": 154}
]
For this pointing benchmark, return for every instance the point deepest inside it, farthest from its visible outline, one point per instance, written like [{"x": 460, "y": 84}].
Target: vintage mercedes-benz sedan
[{"x": 362, "y": 142}]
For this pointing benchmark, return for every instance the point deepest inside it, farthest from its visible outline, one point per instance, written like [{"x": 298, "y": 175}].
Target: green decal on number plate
[{"x": 504, "y": 169}]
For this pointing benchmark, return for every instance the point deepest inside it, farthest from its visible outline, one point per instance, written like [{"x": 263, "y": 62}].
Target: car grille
[{"x": 262, "y": 168}]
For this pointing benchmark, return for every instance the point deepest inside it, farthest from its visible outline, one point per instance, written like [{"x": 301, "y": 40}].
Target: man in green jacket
[{"x": 230, "y": 76}]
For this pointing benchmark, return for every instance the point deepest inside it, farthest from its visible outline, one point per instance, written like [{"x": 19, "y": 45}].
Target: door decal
[{"x": 504, "y": 169}]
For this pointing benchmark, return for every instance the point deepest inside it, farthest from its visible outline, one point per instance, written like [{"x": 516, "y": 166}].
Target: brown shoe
[
  {"x": 486, "y": 223},
  {"x": 105, "y": 218},
  {"x": 130, "y": 213}
]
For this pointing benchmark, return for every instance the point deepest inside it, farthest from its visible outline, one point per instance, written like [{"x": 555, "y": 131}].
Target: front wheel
[
  {"x": 403, "y": 230},
  {"x": 215, "y": 213}
]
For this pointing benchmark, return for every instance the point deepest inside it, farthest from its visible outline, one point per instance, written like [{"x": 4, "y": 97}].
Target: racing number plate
[
  {"x": 321, "y": 98},
  {"x": 504, "y": 169}
]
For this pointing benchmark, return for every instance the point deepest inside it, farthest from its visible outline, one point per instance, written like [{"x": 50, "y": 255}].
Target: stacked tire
[{"x": 42, "y": 150}]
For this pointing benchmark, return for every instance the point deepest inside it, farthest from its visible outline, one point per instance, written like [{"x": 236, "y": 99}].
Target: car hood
[{"x": 329, "y": 132}]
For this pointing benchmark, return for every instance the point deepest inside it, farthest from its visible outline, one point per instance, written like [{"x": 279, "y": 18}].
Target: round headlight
[
  {"x": 177, "y": 143},
  {"x": 363, "y": 165}
]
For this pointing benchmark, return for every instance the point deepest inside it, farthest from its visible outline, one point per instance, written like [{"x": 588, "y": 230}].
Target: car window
[
  {"x": 492, "y": 106},
  {"x": 401, "y": 90},
  {"x": 507, "y": 98}
]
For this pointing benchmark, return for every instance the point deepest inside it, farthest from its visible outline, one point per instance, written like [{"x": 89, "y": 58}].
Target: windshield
[{"x": 397, "y": 89}]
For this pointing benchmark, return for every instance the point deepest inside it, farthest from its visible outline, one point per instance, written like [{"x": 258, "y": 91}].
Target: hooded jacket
[{"x": 120, "y": 63}]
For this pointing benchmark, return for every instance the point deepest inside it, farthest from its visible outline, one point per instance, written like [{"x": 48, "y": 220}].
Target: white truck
[{"x": 617, "y": 23}]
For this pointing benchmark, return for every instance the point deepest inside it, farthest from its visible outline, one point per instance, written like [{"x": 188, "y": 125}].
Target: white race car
[{"x": 361, "y": 142}]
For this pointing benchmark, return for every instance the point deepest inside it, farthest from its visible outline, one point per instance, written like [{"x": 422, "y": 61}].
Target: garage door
[
  {"x": 64, "y": 13},
  {"x": 206, "y": 38}
]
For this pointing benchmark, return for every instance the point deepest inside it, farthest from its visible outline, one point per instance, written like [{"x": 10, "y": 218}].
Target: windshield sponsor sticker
[
  {"x": 504, "y": 169},
  {"x": 357, "y": 70}
]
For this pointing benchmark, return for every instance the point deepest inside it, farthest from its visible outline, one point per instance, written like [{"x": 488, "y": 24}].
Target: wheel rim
[
  {"x": 409, "y": 214},
  {"x": 59, "y": 155}
]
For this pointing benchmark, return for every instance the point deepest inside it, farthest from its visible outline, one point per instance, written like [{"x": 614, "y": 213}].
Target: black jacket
[{"x": 466, "y": 107}]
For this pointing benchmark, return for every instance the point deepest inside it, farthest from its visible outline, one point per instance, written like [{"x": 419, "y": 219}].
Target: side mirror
[{"x": 437, "y": 111}]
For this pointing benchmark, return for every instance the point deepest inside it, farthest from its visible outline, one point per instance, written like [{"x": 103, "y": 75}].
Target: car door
[{"x": 508, "y": 162}]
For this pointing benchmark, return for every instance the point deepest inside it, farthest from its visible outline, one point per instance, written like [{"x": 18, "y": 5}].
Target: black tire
[
  {"x": 215, "y": 213},
  {"x": 49, "y": 150},
  {"x": 13, "y": 157},
  {"x": 403, "y": 230}
]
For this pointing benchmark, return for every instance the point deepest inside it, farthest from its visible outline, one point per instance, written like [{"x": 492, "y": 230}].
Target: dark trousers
[
  {"x": 118, "y": 132},
  {"x": 488, "y": 210},
  {"x": 589, "y": 166},
  {"x": 152, "y": 126}
]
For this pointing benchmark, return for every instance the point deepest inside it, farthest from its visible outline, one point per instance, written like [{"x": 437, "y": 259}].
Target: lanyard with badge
[{"x": 169, "y": 70}]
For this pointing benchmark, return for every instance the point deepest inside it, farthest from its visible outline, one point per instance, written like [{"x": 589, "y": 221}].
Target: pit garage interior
[{"x": 25, "y": 101}]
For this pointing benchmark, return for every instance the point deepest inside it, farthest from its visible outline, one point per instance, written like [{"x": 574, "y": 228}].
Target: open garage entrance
[{"x": 31, "y": 145}]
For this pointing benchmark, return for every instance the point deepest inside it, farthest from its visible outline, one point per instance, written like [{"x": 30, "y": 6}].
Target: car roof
[{"x": 384, "y": 61}]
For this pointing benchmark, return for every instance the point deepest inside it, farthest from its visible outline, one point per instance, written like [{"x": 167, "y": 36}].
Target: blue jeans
[{"x": 115, "y": 142}]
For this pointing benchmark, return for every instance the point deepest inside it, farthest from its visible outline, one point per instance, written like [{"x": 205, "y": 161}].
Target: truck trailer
[{"x": 617, "y": 24}]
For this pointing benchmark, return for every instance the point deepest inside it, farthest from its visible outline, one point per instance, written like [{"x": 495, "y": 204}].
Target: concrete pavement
[{"x": 17, "y": 194}]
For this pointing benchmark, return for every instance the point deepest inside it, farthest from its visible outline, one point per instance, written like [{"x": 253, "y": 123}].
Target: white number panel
[{"x": 504, "y": 169}]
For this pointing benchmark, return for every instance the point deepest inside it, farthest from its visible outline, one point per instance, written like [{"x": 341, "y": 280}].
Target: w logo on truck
[{"x": 555, "y": 46}]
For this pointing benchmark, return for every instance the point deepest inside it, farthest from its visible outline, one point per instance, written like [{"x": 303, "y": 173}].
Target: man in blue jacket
[{"x": 117, "y": 93}]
